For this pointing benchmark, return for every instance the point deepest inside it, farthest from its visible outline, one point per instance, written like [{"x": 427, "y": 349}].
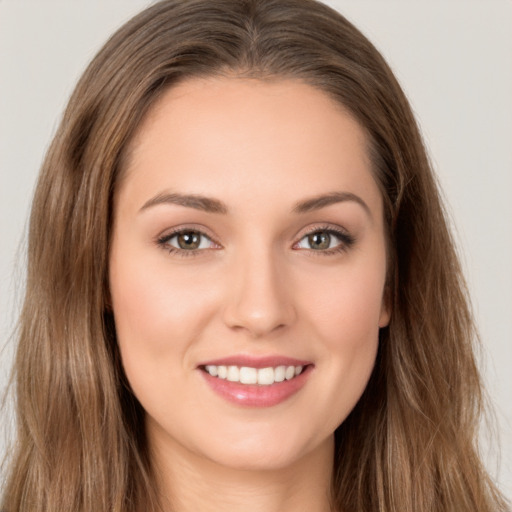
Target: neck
[{"x": 190, "y": 483}]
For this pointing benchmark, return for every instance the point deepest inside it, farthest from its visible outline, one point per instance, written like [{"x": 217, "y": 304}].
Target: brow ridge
[
  {"x": 323, "y": 200},
  {"x": 212, "y": 205},
  {"x": 195, "y": 201}
]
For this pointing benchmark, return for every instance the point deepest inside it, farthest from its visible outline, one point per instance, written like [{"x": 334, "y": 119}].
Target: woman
[{"x": 241, "y": 288}]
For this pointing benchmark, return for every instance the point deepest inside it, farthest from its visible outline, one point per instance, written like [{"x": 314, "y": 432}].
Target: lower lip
[{"x": 252, "y": 395}]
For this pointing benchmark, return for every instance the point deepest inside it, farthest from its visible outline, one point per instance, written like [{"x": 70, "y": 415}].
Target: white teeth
[
  {"x": 248, "y": 375},
  {"x": 233, "y": 374},
  {"x": 279, "y": 373},
  {"x": 265, "y": 376},
  {"x": 289, "y": 373},
  {"x": 212, "y": 370}
]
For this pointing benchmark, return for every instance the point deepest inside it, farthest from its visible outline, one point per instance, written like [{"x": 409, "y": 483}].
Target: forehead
[{"x": 239, "y": 137}]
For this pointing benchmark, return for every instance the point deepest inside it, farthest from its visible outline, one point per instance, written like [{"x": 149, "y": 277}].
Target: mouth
[
  {"x": 254, "y": 376},
  {"x": 256, "y": 382}
]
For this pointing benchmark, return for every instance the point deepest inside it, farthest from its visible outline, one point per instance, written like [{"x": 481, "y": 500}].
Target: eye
[
  {"x": 326, "y": 241},
  {"x": 186, "y": 240}
]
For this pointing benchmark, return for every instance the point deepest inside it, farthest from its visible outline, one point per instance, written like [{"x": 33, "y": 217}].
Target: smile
[
  {"x": 256, "y": 381},
  {"x": 260, "y": 376}
]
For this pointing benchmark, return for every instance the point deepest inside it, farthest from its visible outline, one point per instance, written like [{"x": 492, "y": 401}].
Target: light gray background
[{"x": 454, "y": 60}]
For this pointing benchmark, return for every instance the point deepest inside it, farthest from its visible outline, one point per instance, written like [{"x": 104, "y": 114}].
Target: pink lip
[
  {"x": 256, "y": 361},
  {"x": 253, "y": 395}
]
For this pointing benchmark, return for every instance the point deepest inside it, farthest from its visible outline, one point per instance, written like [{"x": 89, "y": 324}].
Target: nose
[{"x": 259, "y": 298}]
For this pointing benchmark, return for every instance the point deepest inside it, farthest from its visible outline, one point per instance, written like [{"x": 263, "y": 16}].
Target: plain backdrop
[{"x": 454, "y": 61}]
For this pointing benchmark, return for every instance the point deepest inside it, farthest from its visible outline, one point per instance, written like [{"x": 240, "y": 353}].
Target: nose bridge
[{"x": 259, "y": 299}]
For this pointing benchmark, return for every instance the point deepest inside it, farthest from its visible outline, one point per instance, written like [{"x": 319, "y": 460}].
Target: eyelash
[
  {"x": 163, "y": 242},
  {"x": 346, "y": 241}
]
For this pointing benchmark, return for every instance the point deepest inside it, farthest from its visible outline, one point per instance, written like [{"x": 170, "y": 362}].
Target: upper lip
[{"x": 256, "y": 361}]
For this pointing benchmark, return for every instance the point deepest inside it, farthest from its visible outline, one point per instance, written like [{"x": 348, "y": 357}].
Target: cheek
[
  {"x": 157, "y": 320},
  {"x": 142, "y": 308},
  {"x": 152, "y": 305},
  {"x": 346, "y": 311},
  {"x": 345, "y": 321}
]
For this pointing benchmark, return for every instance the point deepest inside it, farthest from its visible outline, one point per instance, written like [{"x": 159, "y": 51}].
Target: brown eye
[
  {"x": 326, "y": 241},
  {"x": 189, "y": 240},
  {"x": 319, "y": 240}
]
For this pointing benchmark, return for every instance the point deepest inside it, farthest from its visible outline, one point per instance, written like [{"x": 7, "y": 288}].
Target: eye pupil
[
  {"x": 189, "y": 240},
  {"x": 319, "y": 240}
]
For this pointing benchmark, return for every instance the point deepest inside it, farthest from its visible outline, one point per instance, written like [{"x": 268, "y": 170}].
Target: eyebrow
[
  {"x": 323, "y": 200},
  {"x": 212, "y": 205},
  {"x": 198, "y": 202}
]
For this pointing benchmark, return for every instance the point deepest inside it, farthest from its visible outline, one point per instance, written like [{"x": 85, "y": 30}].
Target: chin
[{"x": 279, "y": 453}]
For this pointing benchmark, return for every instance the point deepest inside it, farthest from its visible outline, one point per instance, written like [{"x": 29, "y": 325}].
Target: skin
[{"x": 256, "y": 286}]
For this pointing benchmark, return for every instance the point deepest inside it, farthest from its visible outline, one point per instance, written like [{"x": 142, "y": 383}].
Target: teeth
[
  {"x": 260, "y": 376},
  {"x": 279, "y": 373},
  {"x": 212, "y": 370},
  {"x": 248, "y": 375},
  {"x": 266, "y": 376},
  {"x": 233, "y": 374}
]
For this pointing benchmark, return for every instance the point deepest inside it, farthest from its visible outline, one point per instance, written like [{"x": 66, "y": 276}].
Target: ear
[
  {"x": 384, "y": 317},
  {"x": 385, "y": 308}
]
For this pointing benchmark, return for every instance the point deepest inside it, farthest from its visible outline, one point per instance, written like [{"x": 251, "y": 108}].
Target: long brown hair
[{"x": 409, "y": 444}]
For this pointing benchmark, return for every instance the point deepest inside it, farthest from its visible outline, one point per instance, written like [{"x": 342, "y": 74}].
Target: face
[{"x": 247, "y": 270}]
